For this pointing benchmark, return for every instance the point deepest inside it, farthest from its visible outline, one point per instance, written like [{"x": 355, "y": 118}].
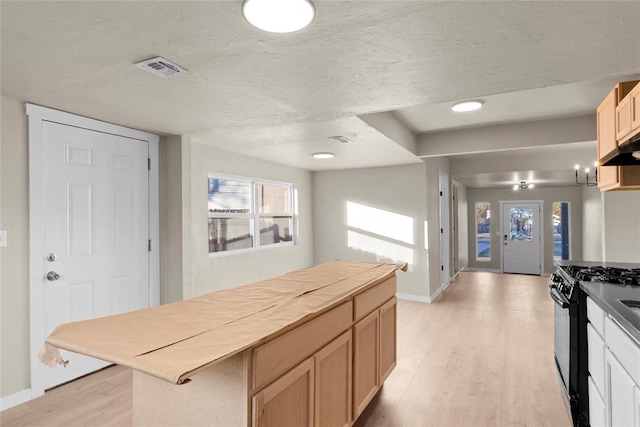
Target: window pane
[
  {"x": 561, "y": 230},
  {"x": 521, "y": 224},
  {"x": 229, "y": 196},
  {"x": 483, "y": 230},
  {"x": 275, "y": 230},
  {"x": 226, "y": 234},
  {"x": 274, "y": 199}
]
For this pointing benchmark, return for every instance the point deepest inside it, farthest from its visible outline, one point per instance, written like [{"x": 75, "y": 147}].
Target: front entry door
[
  {"x": 96, "y": 259},
  {"x": 521, "y": 237}
]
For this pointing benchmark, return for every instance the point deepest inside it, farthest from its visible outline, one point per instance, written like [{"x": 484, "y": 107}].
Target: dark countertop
[{"x": 609, "y": 295}]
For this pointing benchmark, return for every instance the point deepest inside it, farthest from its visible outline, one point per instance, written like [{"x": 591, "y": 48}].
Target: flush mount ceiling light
[
  {"x": 523, "y": 186},
  {"x": 278, "y": 16},
  {"x": 323, "y": 155},
  {"x": 466, "y": 106}
]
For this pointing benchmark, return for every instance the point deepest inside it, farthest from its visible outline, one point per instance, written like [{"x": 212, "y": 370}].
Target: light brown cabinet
[
  {"x": 614, "y": 118},
  {"x": 366, "y": 379},
  {"x": 373, "y": 357},
  {"x": 288, "y": 401},
  {"x": 333, "y": 383},
  {"x": 635, "y": 108}
]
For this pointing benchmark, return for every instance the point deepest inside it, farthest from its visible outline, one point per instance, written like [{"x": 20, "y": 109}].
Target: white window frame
[
  {"x": 253, "y": 215},
  {"x": 475, "y": 222}
]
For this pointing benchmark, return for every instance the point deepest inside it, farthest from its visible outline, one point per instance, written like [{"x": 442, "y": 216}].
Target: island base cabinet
[
  {"x": 333, "y": 383},
  {"x": 621, "y": 394},
  {"x": 288, "y": 401}
]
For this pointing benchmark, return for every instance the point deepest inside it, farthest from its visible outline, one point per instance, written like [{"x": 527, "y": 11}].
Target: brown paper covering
[{"x": 176, "y": 340}]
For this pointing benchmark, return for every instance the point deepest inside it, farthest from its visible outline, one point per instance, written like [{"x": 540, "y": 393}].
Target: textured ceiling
[{"x": 280, "y": 97}]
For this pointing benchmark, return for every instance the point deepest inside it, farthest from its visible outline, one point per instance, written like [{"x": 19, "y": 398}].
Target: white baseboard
[
  {"x": 420, "y": 298},
  {"x": 412, "y": 297},
  {"x": 488, "y": 270},
  {"x": 15, "y": 399}
]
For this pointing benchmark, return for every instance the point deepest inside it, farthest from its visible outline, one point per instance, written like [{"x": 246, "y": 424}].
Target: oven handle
[{"x": 559, "y": 299}]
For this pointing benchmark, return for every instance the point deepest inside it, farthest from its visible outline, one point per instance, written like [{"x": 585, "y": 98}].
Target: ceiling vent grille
[
  {"x": 341, "y": 139},
  {"x": 161, "y": 67}
]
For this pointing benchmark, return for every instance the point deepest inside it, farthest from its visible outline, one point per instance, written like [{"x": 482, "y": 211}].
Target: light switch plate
[{"x": 3, "y": 238}]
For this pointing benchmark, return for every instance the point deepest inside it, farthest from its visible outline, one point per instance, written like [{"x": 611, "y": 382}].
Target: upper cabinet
[{"x": 618, "y": 119}]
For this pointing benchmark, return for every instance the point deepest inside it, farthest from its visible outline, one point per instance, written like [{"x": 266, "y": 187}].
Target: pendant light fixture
[{"x": 278, "y": 16}]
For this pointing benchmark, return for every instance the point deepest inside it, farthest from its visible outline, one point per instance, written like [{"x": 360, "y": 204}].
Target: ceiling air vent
[
  {"x": 341, "y": 139},
  {"x": 161, "y": 67}
]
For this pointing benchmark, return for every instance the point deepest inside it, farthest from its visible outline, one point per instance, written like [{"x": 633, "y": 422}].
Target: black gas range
[{"x": 570, "y": 328}]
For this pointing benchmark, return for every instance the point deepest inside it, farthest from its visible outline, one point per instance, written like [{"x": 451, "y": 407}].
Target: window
[
  {"x": 248, "y": 214},
  {"x": 560, "y": 230},
  {"x": 483, "y": 231}
]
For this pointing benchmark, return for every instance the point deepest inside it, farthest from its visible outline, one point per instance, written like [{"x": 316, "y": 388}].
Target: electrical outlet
[{"x": 3, "y": 238}]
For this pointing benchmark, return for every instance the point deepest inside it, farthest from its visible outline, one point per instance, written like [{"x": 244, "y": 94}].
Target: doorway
[
  {"x": 93, "y": 229},
  {"x": 445, "y": 257},
  {"x": 522, "y": 237}
]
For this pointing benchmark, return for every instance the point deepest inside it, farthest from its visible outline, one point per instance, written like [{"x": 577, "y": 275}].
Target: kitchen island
[{"x": 309, "y": 347}]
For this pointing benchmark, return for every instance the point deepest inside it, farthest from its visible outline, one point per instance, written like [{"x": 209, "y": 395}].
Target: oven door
[{"x": 561, "y": 341}]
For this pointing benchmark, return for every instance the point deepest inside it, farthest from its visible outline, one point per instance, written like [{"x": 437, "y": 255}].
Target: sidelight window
[
  {"x": 248, "y": 214},
  {"x": 483, "y": 231},
  {"x": 560, "y": 231}
]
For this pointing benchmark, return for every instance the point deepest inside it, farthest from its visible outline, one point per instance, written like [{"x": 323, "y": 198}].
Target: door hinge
[
  {"x": 149, "y": 167},
  {"x": 441, "y": 193},
  {"x": 149, "y": 245},
  {"x": 442, "y": 267},
  {"x": 441, "y": 231}
]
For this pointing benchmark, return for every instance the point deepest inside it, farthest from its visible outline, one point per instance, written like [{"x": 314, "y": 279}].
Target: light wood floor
[{"x": 481, "y": 355}]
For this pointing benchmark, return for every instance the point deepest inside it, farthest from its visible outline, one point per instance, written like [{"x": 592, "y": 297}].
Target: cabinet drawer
[
  {"x": 596, "y": 348},
  {"x": 372, "y": 299},
  {"x": 274, "y": 358},
  {"x": 596, "y": 316},
  {"x": 624, "y": 348}
]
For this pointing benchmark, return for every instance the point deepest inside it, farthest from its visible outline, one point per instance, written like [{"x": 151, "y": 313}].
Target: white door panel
[
  {"x": 96, "y": 223},
  {"x": 521, "y": 237}
]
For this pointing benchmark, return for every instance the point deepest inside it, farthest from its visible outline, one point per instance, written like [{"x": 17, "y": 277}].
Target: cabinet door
[
  {"x": 597, "y": 408},
  {"x": 333, "y": 383},
  {"x": 288, "y": 401},
  {"x": 387, "y": 338},
  {"x": 635, "y": 108},
  {"x": 623, "y": 118},
  {"x": 608, "y": 176},
  {"x": 366, "y": 378},
  {"x": 620, "y": 393}
]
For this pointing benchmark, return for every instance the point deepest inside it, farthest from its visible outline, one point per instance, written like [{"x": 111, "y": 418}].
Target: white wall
[
  {"x": 204, "y": 273},
  {"x": 374, "y": 214},
  {"x": 621, "y": 218},
  {"x": 548, "y": 195},
  {"x": 592, "y": 226},
  {"x": 14, "y": 259}
]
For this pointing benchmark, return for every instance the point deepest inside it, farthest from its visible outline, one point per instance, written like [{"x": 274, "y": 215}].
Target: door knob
[{"x": 52, "y": 276}]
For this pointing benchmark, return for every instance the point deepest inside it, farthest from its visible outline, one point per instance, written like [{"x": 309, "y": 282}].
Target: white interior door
[
  {"x": 521, "y": 237},
  {"x": 96, "y": 232}
]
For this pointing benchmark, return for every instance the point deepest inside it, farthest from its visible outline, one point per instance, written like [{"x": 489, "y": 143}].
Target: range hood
[{"x": 627, "y": 153}]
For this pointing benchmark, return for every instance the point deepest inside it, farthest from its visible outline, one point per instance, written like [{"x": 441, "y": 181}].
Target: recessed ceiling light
[
  {"x": 323, "y": 155},
  {"x": 278, "y": 16},
  {"x": 465, "y": 106}
]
